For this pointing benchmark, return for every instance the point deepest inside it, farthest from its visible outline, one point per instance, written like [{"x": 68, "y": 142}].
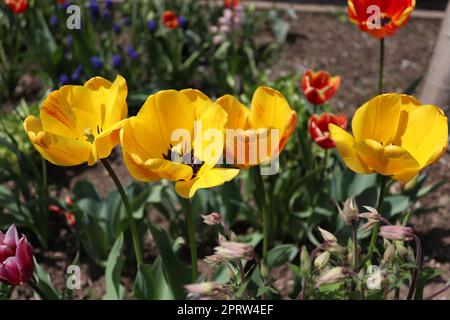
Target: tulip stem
[
  {"x": 126, "y": 203},
  {"x": 381, "y": 74},
  {"x": 412, "y": 288},
  {"x": 376, "y": 228},
  {"x": 262, "y": 199},
  {"x": 38, "y": 290},
  {"x": 192, "y": 243}
]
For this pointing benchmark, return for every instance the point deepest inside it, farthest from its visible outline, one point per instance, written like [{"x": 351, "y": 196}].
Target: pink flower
[
  {"x": 397, "y": 233},
  {"x": 16, "y": 258}
]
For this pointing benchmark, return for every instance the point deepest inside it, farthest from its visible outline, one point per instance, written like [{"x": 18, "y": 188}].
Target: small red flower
[
  {"x": 17, "y": 6},
  {"x": 170, "y": 19},
  {"x": 231, "y": 3},
  {"x": 53, "y": 208},
  {"x": 318, "y": 128},
  {"x": 70, "y": 219},
  {"x": 69, "y": 201},
  {"x": 319, "y": 87}
]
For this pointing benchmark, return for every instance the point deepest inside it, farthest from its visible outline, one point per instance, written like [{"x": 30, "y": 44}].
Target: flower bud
[
  {"x": 389, "y": 253},
  {"x": 265, "y": 273},
  {"x": 204, "y": 290},
  {"x": 397, "y": 233},
  {"x": 332, "y": 275},
  {"x": 327, "y": 236},
  {"x": 349, "y": 213},
  {"x": 212, "y": 219},
  {"x": 230, "y": 250},
  {"x": 371, "y": 214},
  {"x": 322, "y": 260},
  {"x": 305, "y": 260},
  {"x": 16, "y": 258}
]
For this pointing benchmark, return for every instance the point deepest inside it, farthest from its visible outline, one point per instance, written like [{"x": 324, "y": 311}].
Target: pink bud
[
  {"x": 397, "y": 233},
  {"x": 16, "y": 258}
]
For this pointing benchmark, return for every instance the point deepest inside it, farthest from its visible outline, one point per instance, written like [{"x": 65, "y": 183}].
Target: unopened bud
[
  {"x": 397, "y": 233},
  {"x": 230, "y": 250},
  {"x": 389, "y": 253},
  {"x": 327, "y": 236},
  {"x": 212, "y": 219},
  {"x": 349, "y": 213},
  {"x": 264, "y": 271},
  {"x": 322, "y": 260},
  {"x": 203, "y": 290},
  {"x": 305, "y": 260},
  {"x": 371, "y": 214},
  {"x": 332, "y": 275}
]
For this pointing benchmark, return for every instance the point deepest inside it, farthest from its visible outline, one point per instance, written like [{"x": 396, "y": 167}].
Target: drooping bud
[
  {"x": 322, "y": 260},
  {"x": 397, "y": 233},
  {"x": 212, "y": 219},
  {"x": 204, "y": 290},
  {"x": 230, "y": 250},
  {"x": 372, "y": 213},
  {"x": 349, "y": 213}
]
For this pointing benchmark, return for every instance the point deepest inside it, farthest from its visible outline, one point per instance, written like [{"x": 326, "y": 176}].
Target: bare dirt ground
[{"x": 318, "y": 41}]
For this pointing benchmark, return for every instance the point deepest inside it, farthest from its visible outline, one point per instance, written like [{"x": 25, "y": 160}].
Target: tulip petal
[
  {"x": 9, "y": 272},
  {"x": 206, "y": 179},
  {"x": 59, "y": 150},
  {"x": 426, "y": 135},
  {"x": 200, "y": 101},
  {"x": 345, "y": 146},
  {"x": 237, "y": 113},
  {"x": 378, "y": 119},
  {"x": 107, "y": 140},
  {"x": 391, "y": 160},
  {"x": 11, "y": 237},
  {"x": 24, "y": 255}
]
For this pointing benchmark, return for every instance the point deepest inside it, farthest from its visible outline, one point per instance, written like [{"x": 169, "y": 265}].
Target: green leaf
[
  {"x": 114, "y": 265},
  {"x": 145, "y": 283},
  {"x": 176, "y": 272},
  {"x": 281, "y": 254},
  {"x": 44, "y": 282}
]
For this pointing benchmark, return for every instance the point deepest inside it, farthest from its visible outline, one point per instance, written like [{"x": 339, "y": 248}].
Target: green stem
[
  {"x": 376, "y": 228},
  {"x": 192, "y": 242},
  {"x": 38, "y": 290},
  {"x": 381, "y": 67},
  {"x": 126, "y": 203},
  {"x": 262, "y": 193}
]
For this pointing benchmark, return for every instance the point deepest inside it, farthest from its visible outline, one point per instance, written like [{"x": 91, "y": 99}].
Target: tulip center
[
  {"x": 385, "y": 21},
  {"x": 179, "y": 154},
  {"x": 90, "y": 136}
]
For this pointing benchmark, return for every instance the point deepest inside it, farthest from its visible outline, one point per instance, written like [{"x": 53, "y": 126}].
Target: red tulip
[
  {"x": 318, "y": 128},
  {"x": 17, "y": 6},
  {"x": 231, "y": 3},
  {"x": 16, "y": 258},
  {"x": 393, "y": 14},
  {"x": 319, "y": 87},
  {"x": 170, "y": 19}
]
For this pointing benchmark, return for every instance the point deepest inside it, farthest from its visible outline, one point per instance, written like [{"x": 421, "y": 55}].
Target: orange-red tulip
[
  {"x": 231, "y": 3},
  {"x": 319, "y": 87},
  {"x": 318, "y": 128},
  {"x": 393, "y": 15},
  {"x": 170, "y": 19},
  {"x": 17, "y": 6}
]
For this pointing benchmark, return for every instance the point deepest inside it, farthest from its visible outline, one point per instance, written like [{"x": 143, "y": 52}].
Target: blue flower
[
  {"x": 77, "y": 73},
  {"x": 94, "y": 8},
  {"x": 116, "y": 60},
  {"x": 69, "y": 40},
  {"x": 132, "y": 53},
  {"x": 152, "y": 25},
  {"x": 182, "y": 21},
  {"x": 96, "y": 62},
  {"x": 63, "y": 79},
  {"x": 109, "y": 4},
  {"x": 127, "y": 21},
  {"x": 54, "y": 20},
  {"x": 107, "y": 15},
  {"x": 117, "y": 28}
]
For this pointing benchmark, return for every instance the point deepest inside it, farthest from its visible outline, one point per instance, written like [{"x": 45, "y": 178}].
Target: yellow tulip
[
  {"x": 150, "y": 142},
  {"x": 269, "y": 113},
  {"x": 393, "y": 135},
  {"x": 79, "y": 124}
]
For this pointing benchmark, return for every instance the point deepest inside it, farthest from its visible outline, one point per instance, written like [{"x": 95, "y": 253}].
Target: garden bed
[{"x": 318, "y": 41}]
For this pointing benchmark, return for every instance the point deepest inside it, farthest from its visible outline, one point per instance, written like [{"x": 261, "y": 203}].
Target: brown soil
[{"x": 317, "y": 41}]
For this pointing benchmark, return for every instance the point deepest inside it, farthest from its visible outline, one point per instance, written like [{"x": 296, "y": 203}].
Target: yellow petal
[
  {"x": 426, "y": 135},
  {"x": 269, "y": 109},
  {"x": 378, "y": 119},
  {"x": 56, "y": 149},
  {"x": 237, "y": 112},
  {"x": 200, "y": 101},
  {"x": 392, "y": 161},
  {"x": 207, "y": 179},
  {"x": 345, "y": 147},
  {"x": 107, "y": 140}
]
